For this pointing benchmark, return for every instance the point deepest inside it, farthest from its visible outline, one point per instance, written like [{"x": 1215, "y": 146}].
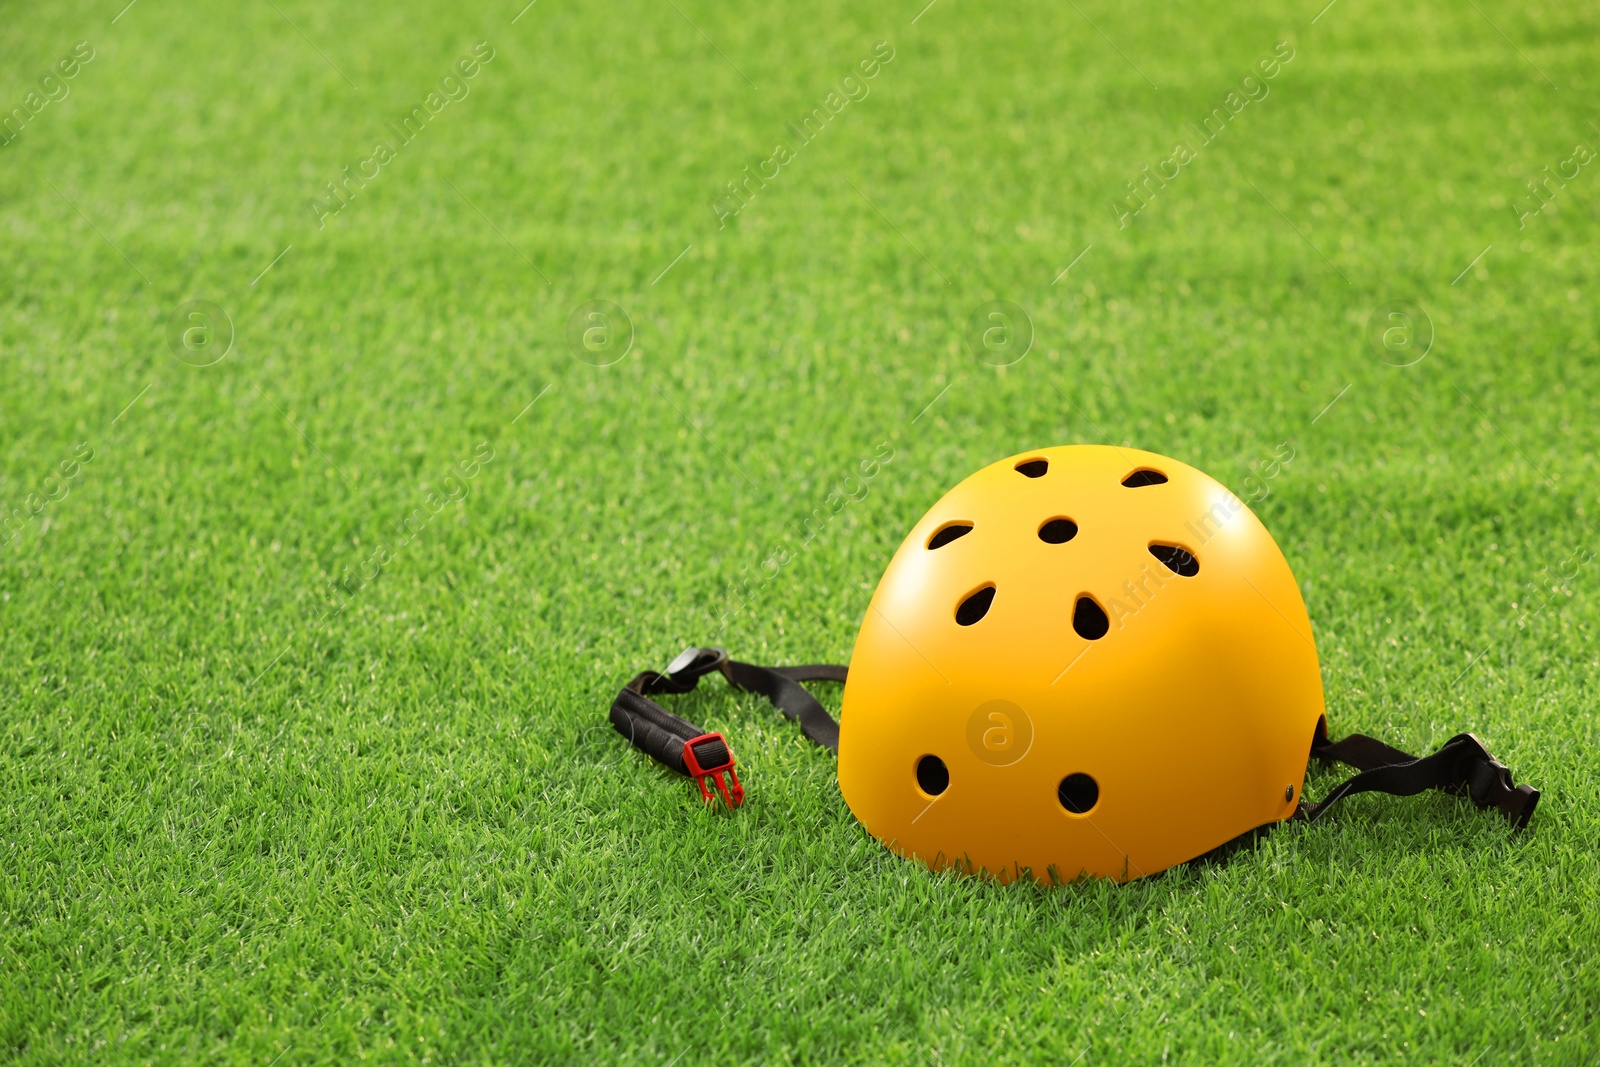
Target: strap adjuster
[
  {"x": 708, "y": 756},
  {"x": 692, "y": 662}
]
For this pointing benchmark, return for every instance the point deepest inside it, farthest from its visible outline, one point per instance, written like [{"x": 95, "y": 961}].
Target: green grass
[{"x": 234, "y": 827}]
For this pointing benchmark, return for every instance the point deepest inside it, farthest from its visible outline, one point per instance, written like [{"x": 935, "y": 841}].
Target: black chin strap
[
  {"x": 687, "y": 749},
  {"x": 1462, "y": 766}
]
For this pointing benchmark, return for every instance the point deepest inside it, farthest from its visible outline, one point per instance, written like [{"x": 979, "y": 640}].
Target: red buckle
[{"x": 710, "y": 744}]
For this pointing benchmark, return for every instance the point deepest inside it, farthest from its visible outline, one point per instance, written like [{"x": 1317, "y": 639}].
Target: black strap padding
[
  {"x": 1462, "y": 766},
  {"x": 652, "y": 729},
  {"x": 661, "y": 735}
]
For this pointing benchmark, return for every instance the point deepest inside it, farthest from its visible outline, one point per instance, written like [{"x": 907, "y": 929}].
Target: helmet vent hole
[
  {"x": 947, "y": 533},
  {"x": 1058, "y": 531},
  {"x": 933, "y": 777},
  {"x": 975, "y": 607},
  {"x": 1144, "y": 476},
  {"x": 1089, "y": 619},
  {"x": 1078, "y": 793},
  {"x": 1177, "y": 559},
  {"x": 1033, "y": 468}
]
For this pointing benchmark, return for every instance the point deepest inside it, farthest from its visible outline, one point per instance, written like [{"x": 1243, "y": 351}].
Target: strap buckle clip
[
  {"x": 1488, "y": 782},
  {"x": 708, "y": 756}
]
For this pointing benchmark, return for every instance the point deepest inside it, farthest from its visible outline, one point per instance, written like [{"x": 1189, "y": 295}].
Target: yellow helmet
[{"x": 1083, "y": 660}]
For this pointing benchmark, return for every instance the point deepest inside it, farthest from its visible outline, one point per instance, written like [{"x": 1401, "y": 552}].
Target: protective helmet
[{"x": 1083, "y": 660}]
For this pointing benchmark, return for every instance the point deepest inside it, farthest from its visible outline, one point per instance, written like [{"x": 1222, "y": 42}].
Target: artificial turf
[{"x": 300, "y": 763}]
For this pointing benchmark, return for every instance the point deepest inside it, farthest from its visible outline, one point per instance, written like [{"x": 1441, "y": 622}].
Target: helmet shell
[{"x": 1186, "y": 723}]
